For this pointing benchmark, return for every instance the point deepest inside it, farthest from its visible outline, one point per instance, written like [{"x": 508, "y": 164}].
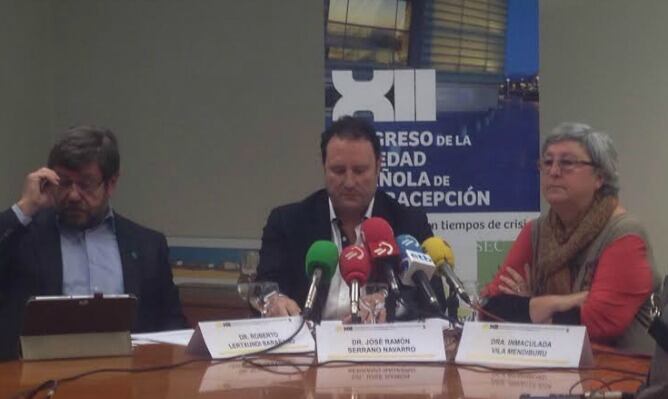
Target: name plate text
[
  {"x": 410, "y": 341},
  {"x": 229, "y": 338},
  {"x": 524, "y": 345}
]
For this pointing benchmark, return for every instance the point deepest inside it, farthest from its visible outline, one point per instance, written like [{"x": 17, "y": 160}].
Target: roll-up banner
[{"x": 452, "y": 90}]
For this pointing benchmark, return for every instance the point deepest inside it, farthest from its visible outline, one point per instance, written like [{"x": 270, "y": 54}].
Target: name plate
[
  {"x": 229, "y": 338},
  {"x": 524, "y": 345},
  {"x": 407, "y": 341}
]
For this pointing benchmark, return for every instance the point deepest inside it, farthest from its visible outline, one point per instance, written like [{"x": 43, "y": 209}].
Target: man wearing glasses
[{"x": 63, "y": 238}]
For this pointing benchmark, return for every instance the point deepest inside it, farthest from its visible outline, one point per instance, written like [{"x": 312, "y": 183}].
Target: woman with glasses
[{"x": 586, "y": 260}]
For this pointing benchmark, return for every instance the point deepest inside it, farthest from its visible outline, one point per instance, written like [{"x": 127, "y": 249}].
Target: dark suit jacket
[
  {"x": 31, "y": 265},
  {"x": 292, "y": 228}
]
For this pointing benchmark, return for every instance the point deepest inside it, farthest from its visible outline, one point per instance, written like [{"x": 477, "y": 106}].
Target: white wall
[
  {"x": 605, "y": 62},
  {"x": 25, "y": 92},
  {"x": 218, "y": 105}
]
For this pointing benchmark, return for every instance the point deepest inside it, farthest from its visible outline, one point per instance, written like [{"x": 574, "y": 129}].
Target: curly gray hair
[{"x": 598, "y": 145}]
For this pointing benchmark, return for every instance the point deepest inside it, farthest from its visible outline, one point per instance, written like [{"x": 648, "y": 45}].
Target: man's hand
[
  {"x": 278, "y": 305},
  {"x": 37, "y": 191}
]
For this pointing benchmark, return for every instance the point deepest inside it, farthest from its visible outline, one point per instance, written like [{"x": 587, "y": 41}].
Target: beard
[{"x": 79, "y": 217}]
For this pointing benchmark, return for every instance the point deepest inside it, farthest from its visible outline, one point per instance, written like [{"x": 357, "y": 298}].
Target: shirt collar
[
  {"x": 332, "y": 213},
  {"x": 110, "y": 219}
]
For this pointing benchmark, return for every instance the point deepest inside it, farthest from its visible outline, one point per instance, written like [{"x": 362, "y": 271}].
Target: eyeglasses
[
  {"x": 565, "y": 165},
  {"x": 85, "y": 186}
]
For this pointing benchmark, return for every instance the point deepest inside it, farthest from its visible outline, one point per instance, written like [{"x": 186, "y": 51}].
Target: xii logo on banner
[{"x": 414, "y": 95}]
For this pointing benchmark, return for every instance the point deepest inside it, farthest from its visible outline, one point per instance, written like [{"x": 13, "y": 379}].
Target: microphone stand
[
  {"x": 355, "y": 302},
  {"x": 311, "y": 296},
  {"x": 452, "y": 302}
]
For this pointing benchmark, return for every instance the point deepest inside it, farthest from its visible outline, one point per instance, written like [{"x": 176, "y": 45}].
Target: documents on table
[{"x": 174, "y": 337}]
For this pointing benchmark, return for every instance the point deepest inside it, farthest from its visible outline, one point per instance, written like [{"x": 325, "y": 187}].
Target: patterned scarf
[{"x": 558, "y": 245}]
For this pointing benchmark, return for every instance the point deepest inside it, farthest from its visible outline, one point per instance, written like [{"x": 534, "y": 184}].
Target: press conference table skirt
[{"x": 297, "y": 377}]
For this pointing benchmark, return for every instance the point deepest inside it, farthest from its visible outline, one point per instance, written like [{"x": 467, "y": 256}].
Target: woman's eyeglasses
[{"x": 565, "y": 164}]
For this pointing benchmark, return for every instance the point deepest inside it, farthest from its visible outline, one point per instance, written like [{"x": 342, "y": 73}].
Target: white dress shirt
[{"x": 338, "y": 299}]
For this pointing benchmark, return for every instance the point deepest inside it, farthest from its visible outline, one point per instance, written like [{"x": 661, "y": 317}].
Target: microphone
[
  {"x": 355, "y": 268},
  {"x": 441, "y": 253},
  {"x": 417, "y": 269},
  {"x": 407, "y": 241},
  {"x": 379, "y": 240},
  {"x": 321, "y": 260}
]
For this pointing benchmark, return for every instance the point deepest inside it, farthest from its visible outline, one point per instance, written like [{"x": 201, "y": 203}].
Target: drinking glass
[
  {"x": 258, "y": 294},
  {"x": 372, "y": 300}
]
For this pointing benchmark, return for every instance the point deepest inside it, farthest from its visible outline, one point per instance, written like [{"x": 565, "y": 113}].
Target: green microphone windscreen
[{"x": 325, "y": 255}]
